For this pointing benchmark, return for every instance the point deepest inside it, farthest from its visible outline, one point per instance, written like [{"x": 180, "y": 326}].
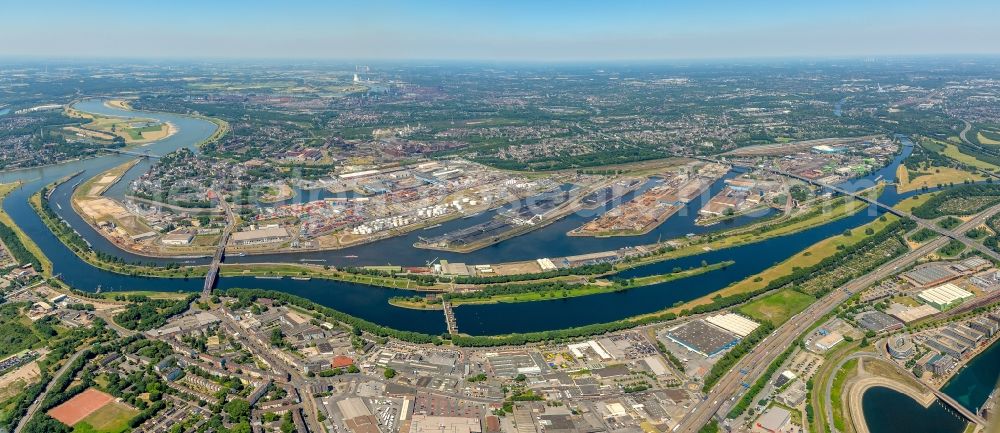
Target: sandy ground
[
  {"x": 118, "y": 103},
  {"x": 16, "y": 380},
  {"x": 91, "y": 134}
]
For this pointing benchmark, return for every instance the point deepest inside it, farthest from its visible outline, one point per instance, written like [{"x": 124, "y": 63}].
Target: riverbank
[
  {"x": 29, "y": 245},
  {"x": 875, "y": 373},
  {"x": 547, "y": 291},
  {"x": 82, "y": 249}
]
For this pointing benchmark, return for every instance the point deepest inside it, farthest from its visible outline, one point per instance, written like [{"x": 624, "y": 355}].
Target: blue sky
[{"x": 497, "y": 30}]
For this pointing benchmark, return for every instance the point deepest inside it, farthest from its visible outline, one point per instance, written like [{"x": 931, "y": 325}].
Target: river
[{"x": 370, "y": 302}]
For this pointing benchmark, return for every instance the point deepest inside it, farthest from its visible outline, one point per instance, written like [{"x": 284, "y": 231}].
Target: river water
[
  {"x": 971, "y": 386},
  {"x": 370, "y": 302}
]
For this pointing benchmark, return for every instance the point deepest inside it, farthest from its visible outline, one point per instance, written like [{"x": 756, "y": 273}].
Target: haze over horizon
[{"x": 512, "y": 31}]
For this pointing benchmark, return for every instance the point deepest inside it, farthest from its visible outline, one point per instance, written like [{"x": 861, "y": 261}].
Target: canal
[{"x": 971, "y": 387}]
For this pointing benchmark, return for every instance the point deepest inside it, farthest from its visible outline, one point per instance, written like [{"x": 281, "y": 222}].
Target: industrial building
[
  {"x": 177, "y": 238},
  {"x": 774, "y": 419},
  {"x": 260, "y": 236},
  {"x": 829, "y": 340},
  {"x": 944, "y": 296},
  {"x": 444, "y": 424},
  {"x": 911, "y": 314},
  {"x": 734, "y": 323},
  {"x": 929, "y": 275},
  {"x": 703, "y": 338},
  {"x": 878, "y": 321}
]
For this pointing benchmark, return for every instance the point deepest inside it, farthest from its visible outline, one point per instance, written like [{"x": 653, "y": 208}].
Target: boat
[
  {"x": 301, "y": 278},
  {"x": 432, "y": 227},
  {"x": 59, "y": 206},
  {"x": 312, "y": 260},
  {"x": 268, "y": 278},
  {"x": 471, "y": 216},
  {"x": 351, "y": 257},
  {"x": 241, "y": 254}
]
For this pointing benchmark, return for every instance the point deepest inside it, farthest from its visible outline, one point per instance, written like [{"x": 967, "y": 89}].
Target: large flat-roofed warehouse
[
  {"x": 703, "y": 338},
  {"x": 734, "y": 323},
  {"x": 260, "y": 236},
  {"x": 944, "y": 296},
  {"x": 444, "y": 424},
  {"x": 357, "y": 416},
  {"x": 929, "y": 275},
  {"x": 878, "y": 321}
]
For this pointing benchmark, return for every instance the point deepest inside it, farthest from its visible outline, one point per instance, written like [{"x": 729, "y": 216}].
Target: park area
[{"x": 94, "y": 411}]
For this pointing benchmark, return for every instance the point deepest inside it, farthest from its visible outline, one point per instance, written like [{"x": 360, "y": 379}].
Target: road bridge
[
  {"x": 449, "y": 317},
  {"x": 130, "y": 152},
  {"x": 212, "y": 276}
]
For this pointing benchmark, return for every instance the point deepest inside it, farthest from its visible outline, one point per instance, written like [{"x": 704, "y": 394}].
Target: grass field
[
  {"x": 951, "y": 150},
  {"x": 778, "y": 307},
  {"x": 550, "y": 294},
  {"x": 808, "y": 257},
  {"x": 908, "y": 204},
  {"x": 112, "y": 418},
  {"x": 122, "y": 127},
  {"x": 986, "y": 140},
  {"x": 849, "y": 370},
  {"x": 817, "y": 396},
  {"x": 932, "y": 177}
]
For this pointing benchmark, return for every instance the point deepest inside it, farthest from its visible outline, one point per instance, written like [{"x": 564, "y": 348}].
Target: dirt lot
[
  {"x": 517, "y": 268},
  {"x": 14, "y": 382}
]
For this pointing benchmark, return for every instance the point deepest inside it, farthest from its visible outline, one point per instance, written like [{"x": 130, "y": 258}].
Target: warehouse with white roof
[
  {"x": 734, "y": 323},
  {"x": 944, "y": 296}
]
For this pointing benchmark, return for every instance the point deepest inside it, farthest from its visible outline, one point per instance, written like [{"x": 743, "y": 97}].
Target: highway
[{"x": 760, "y": 357}]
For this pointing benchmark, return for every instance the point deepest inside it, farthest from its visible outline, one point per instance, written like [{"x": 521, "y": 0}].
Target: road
[
  {"x": 41, "y": 397},
  {"x": 760, "y": 357},
  {"x": 828, "y": 386},
  {"x": 280, "y": 367},
  {"x": 213, "y": 269}
]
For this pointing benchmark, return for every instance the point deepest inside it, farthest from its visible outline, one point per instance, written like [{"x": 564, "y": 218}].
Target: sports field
[
  {"x": 80, "y": 406},
  {"x": 112, "y": 418}
]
